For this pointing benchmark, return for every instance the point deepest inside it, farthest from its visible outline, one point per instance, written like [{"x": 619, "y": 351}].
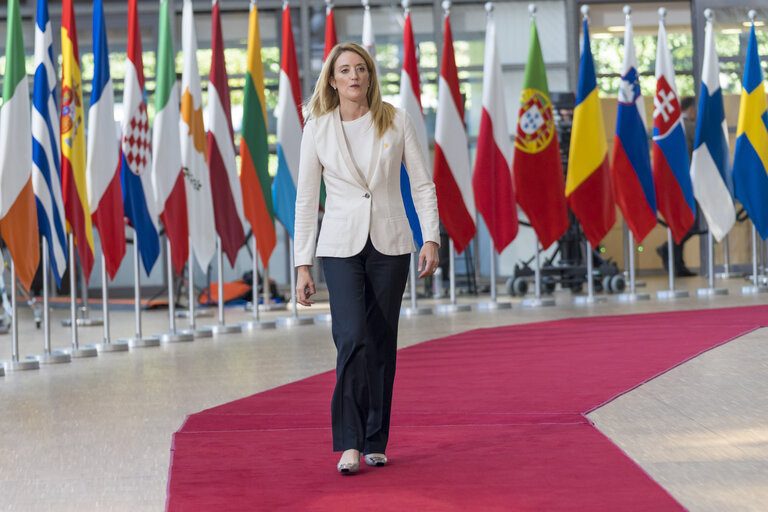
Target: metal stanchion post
[
  {"x": 632, "y": 296},
  {"x": 671, "y": 293},
  {"x": 48, "y": 356},
  {"x": 756, "y": 286},
  {"x": 493, "y": 304},
  {"x": 15, "y": 364},
  {"x": 711, "y": 290},
  {"x": 727, "y": 273},
  {"x": 256, "y": 323},
  {"x": 107, "y": 345},
  {"x": 138, "y": 341},
  {"x": 452, "y": 307},
  {"x": 172, "y": 336},
  {"x": 221, "y": 327},
  {"x": 76, "y": 350},
  {"x": 192, "y": 313},
  {"x": 414, "y": 309},
  {"x": 590, "y": 298},
  {"x": 537, "y": 301},
  {"x": 294, "y": 319}
]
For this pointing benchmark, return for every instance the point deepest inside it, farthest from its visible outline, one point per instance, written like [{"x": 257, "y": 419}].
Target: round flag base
[
  {"x": 447, "y": 309},
  {"x": 323, "y": 318},
  {"x": 199, "y": 313},
  {"x": 256, "y": 325},
  {"x": 271, "y": 307},
  {"x": 417, "y": 311},
  {"x": 83, "y": 322},
  {"x": 293, "y": 321},
  {"x": 142, "y": 342},
  {"x": 753, "y": 290},
  {"x": 20, "y": 366},
  {"x": 81, "y": 352},
  {"x": 118, "y": 346},
  {"x": 540, "y": 302},
  {"x": 197, "y": 333},
  {"x": 224, "y": 329},
  {"x": 586, "y": 300},
  {"x": 174, "y": 337},
  {"x": 711, "y": 292},
  {"x": 633, "y": 297},
  {"x": 729, "y": 275},
  {"x": 55, "y": 357},
  {"x": 671, "y": 294},
  {"x": 493, "y": 306}
]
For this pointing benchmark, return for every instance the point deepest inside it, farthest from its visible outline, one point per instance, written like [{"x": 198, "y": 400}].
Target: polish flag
[{"x": 453, "y": 177}]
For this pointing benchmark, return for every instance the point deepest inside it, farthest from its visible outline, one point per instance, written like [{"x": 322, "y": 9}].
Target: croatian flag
[
  {"x": 631, "y": 168},
  {"x": 671, "y": 167},
  {"x": 290, "y": 125},
  {"x": 710, "y": 165},
  {"x": 136, "y": 161},
  {"x": 46, "y": 177},
  {"x": 102, "y": 173}
]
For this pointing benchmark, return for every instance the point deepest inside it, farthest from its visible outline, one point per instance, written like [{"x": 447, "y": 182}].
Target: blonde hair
[{"x": 325, "y": 98}]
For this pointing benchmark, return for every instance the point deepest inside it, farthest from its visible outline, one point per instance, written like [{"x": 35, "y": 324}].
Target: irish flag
[
  {"x": 254, "y": 151},
  {"x": 18, "y": 212},
  {"x": 167, "y": 178}
]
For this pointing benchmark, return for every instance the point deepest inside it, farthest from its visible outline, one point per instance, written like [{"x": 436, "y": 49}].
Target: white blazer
[{"x": 361, "y": 202}]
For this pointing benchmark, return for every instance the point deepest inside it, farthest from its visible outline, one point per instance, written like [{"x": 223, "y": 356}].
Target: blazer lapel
[{"x": 357, "y": 174}]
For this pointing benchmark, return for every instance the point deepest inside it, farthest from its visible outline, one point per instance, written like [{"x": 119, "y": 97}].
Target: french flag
[
  {"x": 631, "y": 168},
  {"x": 453, "y": 175},
  {"x": 102, "y": 173},
  {"x": 671, "y": 166}
]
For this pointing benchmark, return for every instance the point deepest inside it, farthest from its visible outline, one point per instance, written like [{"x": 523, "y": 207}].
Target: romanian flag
[
  {"x": 18, "y": 212},
  {"x": 750, "y": 162},
  {"x": 537, "y": 167},
  {"x": 74, "y": 187},
  {"x": 254, "y": 151},
  {"x": 588, "y": 184}
]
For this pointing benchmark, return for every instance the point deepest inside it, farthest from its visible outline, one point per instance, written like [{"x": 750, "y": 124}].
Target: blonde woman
[{"x": 356, "y": 142}]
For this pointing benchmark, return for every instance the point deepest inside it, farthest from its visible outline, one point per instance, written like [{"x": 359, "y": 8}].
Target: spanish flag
[
  {"x": 587, "y": 185},
  {"x": 75, "y": 193},
  {"x": 254, "y": 151}
]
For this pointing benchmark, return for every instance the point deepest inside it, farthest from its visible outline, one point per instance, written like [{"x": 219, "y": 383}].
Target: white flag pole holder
[
  {"x": 756, "y": 287},
  {"x": 632, "y": 296},
  {"x": 294, "y": 319},
  {"x": 48, "y": 356},
  {"x": 106, "y": 345},
  {"x": 192, "y": 312},
  {"x": 493, "y": 304},
  {"x": 452, "y": 307},
  {"x": 16, "y": 364},
  {"x": 76, "y": 350},
  {"x": 727, "y": 273},
  {"x": 172, "y": 336},
  {"x": 537, "y": 301},
  {"x": 414, "y": 309},
  {"x": 221, "y": 327},
  {"x": 711, "y": 291},
  {"x": 590, "y": 298},
  {"x": 671, "y": 294},
  {"x": 256, "y": 323},
  {"x": 138, "y": 341}
]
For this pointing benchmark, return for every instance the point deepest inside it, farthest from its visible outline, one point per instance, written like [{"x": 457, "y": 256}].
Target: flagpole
[
  {"x": 414, "y": 309},
  {"x": 85, "y": 320},
  {"x": 756, "y": 287},
  {"x": 452, "y": 307},
  {"x": 107, "y": 345},
  {"x": 221, "y": 327},
  {"x": 192, "y": 313},
  {"x": 256, "y": 323},
  {"x": 48, "y": 356},
  {"x": 138, "y": 341},
  {"x": 632, "y": 296},
  {"x": 726, "y": 273},
  {"x": 671, "y": 293},
  {"x": 172, "y": 336},
  {"x": 15, "y": 364},
  {"x": 537, "y": 301},
  {"x": 711, "y": 290},
  {"x": 493, "y": 304},
  {"x": 294, "y": 319},
  {"x": 76, "y": 351},
  {"x": 590, "y": 298}
]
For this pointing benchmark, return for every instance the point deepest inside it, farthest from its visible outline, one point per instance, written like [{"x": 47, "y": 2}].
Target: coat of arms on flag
[
  {"x": 536, "y": 127},
  {"x": 665, "y": 105},
  {"x": 137, "y": 142}
]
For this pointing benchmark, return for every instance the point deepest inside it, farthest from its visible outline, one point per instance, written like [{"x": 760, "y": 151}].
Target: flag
[
  {"x": 330, "y": 30},
  {"x": 18, "y": 219},
  {"x": 74, "y": 187},
  {"x": 136, "y": 159},
  {"x": 225, "y": 185},
  {"x": 167, "y": 175},
  {"x": 537, "y": 167},
  {"x": 410, "y": 101},
  {"x": 671, "y": 167},
  {"x": 290, "y": 123},
  {"x": 368, "y": 38},
  {"x": 103, "y": 170},
  {"x": 194, "y": 153},
  {"x": 453, "y": 178},
  {"x": 254, "y": 151},
  {"x": 710, "y": 164},
  {"x": 46, "y": 151},
  {"x": 492, "y": 180},
  {"x": 587, "y": 185},
  {"x": 750, "y": 162},
  {"x": 631, "y": 164}
]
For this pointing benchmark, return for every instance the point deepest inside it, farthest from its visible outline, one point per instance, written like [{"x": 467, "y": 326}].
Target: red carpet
[{"x": 490, "y": 419}]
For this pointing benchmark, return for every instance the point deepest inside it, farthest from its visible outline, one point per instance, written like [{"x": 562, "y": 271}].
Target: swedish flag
[{"x": 750, "y": 162}]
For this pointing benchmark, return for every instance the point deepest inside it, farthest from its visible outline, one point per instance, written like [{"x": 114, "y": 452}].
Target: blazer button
[{"x": 367, "y": 195}]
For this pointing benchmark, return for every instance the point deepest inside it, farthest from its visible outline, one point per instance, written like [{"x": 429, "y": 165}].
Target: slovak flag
[
  {"x": 671, "y": 167},
  {"x": 631, "y": 165}
]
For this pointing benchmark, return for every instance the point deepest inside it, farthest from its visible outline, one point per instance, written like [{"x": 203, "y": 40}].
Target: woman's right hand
[{"x": 305, "y": 286}]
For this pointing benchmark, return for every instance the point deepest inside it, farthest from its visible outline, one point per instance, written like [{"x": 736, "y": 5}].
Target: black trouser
[{"x": 365, "y": 293}]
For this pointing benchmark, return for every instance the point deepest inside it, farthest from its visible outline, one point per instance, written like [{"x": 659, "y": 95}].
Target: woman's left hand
[{"x": 429, "y": 260}]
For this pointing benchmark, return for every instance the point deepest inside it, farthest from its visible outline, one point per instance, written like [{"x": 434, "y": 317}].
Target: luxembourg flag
[
  {"x": 102, "y": 173},
  {"x": 453, "y": 178},
  {"x": 290, "y": 125},
  {"x": 46, "y": 171},
  {"x": 710, "y": 165},
  {"x": 410, "y": 101},
  {"x": 671, "y": 167},
  {"x": 631, "y": 165},
  {"x": 136, "y": 161},
  {"x": 492, "y": 180}
]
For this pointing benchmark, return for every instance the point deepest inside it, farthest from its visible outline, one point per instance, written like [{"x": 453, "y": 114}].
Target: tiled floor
[{"x": 95, "y": 434}]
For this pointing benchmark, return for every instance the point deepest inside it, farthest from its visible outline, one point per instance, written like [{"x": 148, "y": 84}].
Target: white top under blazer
[{"x": 361, "y": 202}]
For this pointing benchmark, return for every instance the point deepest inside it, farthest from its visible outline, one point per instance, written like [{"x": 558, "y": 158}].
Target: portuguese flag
[{"x": 537, "y": 167}]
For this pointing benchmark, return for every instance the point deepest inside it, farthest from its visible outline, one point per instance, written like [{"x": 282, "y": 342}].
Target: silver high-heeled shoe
[
  {"x": 376, "y": 459},
  {"x": 348, "y": 468}
]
